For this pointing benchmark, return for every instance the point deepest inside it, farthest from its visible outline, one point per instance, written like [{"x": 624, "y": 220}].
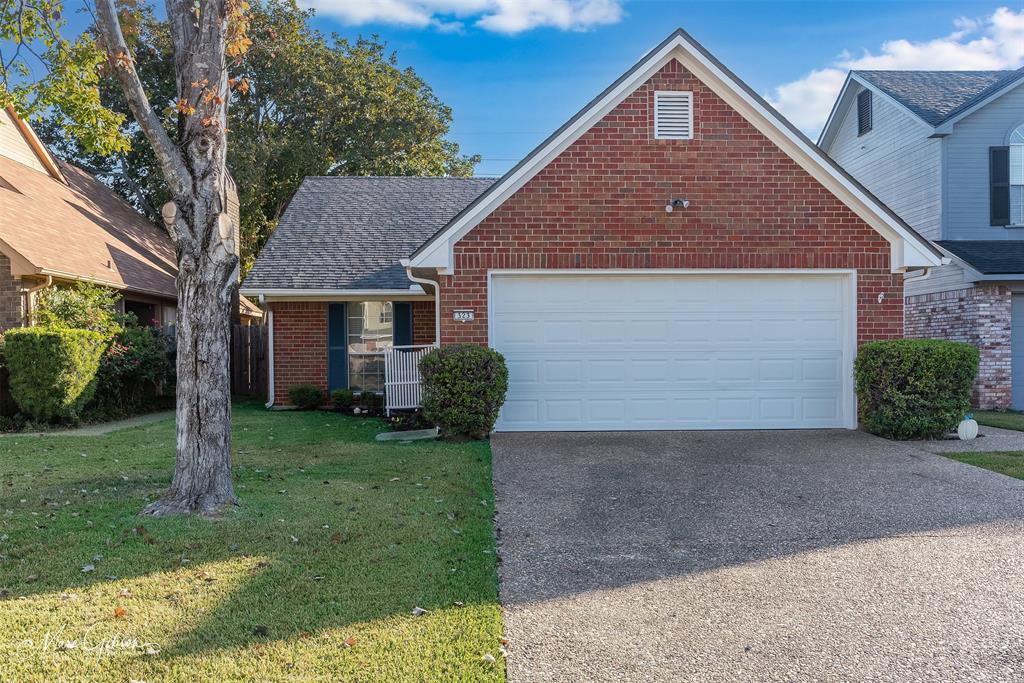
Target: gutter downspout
[
  {"x": 28, "y": 297},
  {"x": 925, "y": 274},
  {"x": 270, "y": 353},
  {"x": 437, "y": 302}
]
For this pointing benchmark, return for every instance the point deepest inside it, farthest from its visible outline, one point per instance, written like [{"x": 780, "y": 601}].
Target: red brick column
[{"x": 978, "y": 316}]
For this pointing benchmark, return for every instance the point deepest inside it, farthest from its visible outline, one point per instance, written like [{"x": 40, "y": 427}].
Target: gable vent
[{"x": 673, "y": 115}]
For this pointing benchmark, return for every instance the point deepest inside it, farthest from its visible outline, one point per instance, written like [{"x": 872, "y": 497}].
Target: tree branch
[{"x": 167, "y": 153}]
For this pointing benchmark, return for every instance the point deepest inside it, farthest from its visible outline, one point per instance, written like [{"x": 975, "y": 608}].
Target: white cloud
[
  {"x": 993, "y": 42},
  {"x": 500, "y": 16}
]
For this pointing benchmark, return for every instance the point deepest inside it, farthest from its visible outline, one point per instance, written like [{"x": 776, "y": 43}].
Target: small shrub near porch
[
  {"x": 463, "y": 389},
  {"x": 914, "y": 388},
  {"x": 53, "y": 371}
]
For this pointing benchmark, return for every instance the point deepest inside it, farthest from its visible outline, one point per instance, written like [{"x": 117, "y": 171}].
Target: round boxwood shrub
[
  {"x": 463, "y": 389},
  {"x": 306, "y": 396},
  {"x": 914, "y": 388},
  {"x": 53, "y": 370},
  {"x": 342, "y": 398}
]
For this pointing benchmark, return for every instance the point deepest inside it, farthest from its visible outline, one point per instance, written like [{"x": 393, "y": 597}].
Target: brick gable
[{"x": 600, "y": 204}]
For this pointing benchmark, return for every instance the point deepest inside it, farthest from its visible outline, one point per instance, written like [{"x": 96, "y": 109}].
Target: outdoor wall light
[{"x": 673, "y": 203}]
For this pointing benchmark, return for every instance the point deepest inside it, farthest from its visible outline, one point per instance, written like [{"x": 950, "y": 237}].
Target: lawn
[
  {"x": 1010, "y": 463},
  {"x": 314, "y": 577},
  {"x": 1004, "y": 419}
]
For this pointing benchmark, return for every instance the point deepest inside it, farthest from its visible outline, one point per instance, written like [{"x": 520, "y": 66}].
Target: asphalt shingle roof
[
  {"x": 351, "y": 232},
  {"x": 936, "y": 95},
  {"x": 989, "y": 257}
]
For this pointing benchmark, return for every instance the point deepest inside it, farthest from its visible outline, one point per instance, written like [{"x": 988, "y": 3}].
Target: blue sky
[{"x": 514, "y": 70}]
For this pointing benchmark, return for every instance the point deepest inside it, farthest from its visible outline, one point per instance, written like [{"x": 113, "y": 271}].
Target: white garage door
[{"x": 751, "y": 350}]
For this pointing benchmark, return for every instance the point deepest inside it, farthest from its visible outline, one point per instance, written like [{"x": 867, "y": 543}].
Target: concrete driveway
[{"x": 756, "y": 556}]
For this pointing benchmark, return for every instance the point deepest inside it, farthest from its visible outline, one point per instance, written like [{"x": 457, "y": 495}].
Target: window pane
[
  {"x": 1017, "y": 205},
  {"x": 366, "y": 373},
  {"x": 370, "y": 326},
  {"x": 1017, "y": 164},
  {"x": 1017, "y": 136},
  {"x": 370, "y": 331}
]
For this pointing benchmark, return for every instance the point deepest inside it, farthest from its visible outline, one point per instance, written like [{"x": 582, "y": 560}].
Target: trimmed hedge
[
  {"x": 53, "y": 371},
  {"x": 342, "y": 398},
  {"x": 306, "y": 396},
  {"x": 464, "y": 387},
  {"x": 914, "y": 388}
]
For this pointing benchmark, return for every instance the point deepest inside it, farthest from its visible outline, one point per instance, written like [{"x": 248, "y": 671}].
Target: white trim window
[
  {"x": 371, "y": 330},
  {"x": 1016, "y": 143}
]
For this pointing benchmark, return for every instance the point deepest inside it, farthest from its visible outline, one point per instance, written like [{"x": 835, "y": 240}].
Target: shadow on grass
[{"x": 347, "y": 530}]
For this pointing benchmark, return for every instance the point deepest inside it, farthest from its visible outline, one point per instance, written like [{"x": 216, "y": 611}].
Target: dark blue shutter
[
  {"x": 337, "y": 357},
  {"x": 865, "y": 114},
  {"x": 403, "y": 323},
  {"x": 999, "y": 185}
]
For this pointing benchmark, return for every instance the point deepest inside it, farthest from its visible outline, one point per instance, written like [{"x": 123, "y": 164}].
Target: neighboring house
[
  {"x": 945, "y": 151},
  {"x": 58, "y": 224},
  {"x": 741, "y": 307}
]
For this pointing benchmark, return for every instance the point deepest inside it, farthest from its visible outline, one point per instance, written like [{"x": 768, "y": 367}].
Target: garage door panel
[
  {"x": 779, "y": 369},
  {"x": 640, "y": 352}
]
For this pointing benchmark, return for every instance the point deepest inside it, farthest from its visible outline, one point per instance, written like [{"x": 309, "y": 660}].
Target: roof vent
[{"x": 673, "y": 115}]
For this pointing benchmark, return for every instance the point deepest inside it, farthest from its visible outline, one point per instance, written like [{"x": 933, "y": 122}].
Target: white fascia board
[
  {"x": 440, "y": 254},
  {"x": 946, "y": 127},
  {"x": 912, "y": 254},
  {"x": 925, "y": 126},
  {"x": 834, "y": 116},
  {"x": 335, "y": 294}
]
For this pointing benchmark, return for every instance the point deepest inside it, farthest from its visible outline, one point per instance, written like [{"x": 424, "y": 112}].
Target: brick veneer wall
[
  {"x": 12, "y": 301},
  {"x": 300, "y": 346},
  {"x": 300, "y": 342},
  {"x": 600, "y": 204},
  {"x": 423, "y": 322},
  {"x": 979, "y": 316}
]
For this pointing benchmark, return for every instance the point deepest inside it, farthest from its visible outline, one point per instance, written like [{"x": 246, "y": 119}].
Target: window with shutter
[
  {"x": 999, "y": 185},
  {"x": 865, "y": 115},
  {"x": 1016, "y": 176},
  {"x": 673, "y": 115}
]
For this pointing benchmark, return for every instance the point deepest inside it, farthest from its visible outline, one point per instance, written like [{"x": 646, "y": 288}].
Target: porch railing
[{"x": 403, "y": 388}]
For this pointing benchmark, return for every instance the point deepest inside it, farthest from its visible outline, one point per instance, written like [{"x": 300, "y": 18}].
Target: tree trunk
[
  {"x": 194, "y": 166},
  {"x": 202, "y": 472}
]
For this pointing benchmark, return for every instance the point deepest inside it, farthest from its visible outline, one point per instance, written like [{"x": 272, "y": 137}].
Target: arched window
[{"x": 1016, "y": 143}]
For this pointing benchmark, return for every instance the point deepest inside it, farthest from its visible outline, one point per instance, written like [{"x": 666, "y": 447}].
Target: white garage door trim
[{"x": 847, "y": 278}]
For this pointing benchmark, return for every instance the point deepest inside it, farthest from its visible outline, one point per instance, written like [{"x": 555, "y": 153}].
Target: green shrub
[
  {"x": 306, "y": 396},
  {"x": 342, "y": 398},
  {"x": 53, "y": 371},
  {"x": 463, "y": 389},
  {"x": 914, "y": 388},
  {"x": 80, "y": 306},
  {"x": 371, "y": 401},
  {"x": 134, "y": 370}
]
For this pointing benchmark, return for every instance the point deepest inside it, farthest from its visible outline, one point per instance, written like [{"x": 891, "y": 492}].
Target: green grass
[
  {"x": 313, "y": 577},
  {"x": 1010, "y": 463},
  {"x": 1003, "y": 419}
]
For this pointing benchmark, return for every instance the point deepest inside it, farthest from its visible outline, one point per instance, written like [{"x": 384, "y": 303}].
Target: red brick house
[{"x": 676, "y": 256}]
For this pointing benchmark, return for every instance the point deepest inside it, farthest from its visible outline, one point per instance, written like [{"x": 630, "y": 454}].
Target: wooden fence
[{"x": 249, "y": 346}]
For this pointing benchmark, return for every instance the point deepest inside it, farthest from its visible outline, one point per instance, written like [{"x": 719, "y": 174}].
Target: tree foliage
[
  {"x": 80, "y": 306},
  {"x": 303, "y": 104},
  {"x": 67, "y": 90}
]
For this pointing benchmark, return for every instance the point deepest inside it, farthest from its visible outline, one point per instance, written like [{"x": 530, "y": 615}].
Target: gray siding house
[{"x": 945, "y": 151}]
